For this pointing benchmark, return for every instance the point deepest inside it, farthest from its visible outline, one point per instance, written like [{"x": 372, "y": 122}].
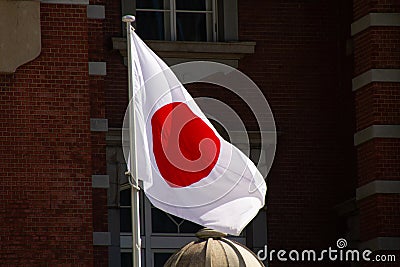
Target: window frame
[
  {"x": 170, "y": 19},
  {"x": 227, "y": 16}
]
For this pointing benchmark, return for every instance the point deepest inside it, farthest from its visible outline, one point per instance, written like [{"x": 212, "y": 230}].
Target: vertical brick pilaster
[
  {"x": 377, "y": 106},
  {"x": 96, "y": 28}
]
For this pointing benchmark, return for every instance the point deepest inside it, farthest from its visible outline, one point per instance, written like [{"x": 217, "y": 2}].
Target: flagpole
[{"x": 133, "y": 178}]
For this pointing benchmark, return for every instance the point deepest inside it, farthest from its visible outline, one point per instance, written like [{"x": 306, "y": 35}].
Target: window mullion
[
  {"x": 148, "y": 231},
  {"x": 214, "y": 27},
  {"x": 173, "y": 20}
]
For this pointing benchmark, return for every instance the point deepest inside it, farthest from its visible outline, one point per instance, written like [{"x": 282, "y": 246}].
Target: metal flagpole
[{"x": 133, "y": 178}]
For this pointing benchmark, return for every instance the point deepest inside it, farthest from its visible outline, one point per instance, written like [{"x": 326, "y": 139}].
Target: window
[
  {"x": 184, "y": 20},
  {"x": 162, "y": 233},
  {"x": 176, "y": 20}
]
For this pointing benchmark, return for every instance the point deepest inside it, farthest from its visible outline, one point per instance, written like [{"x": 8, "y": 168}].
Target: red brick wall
[
  {"x": 381, "y": 216},
  {"x": 46, "y": 199},
  {"x": 378, "y": 159},
  {"x": 377, "y": 103},
  {"x": 374, "y": 210},
  {"x": 299, "y": 64},
  {"x": 363, "y": 7},
  {"x": 377, "y": 47},
  {"x": 117, "y": 74}
]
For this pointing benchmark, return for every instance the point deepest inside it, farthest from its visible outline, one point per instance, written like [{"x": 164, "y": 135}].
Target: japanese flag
[{"x": 187, "y": 169}]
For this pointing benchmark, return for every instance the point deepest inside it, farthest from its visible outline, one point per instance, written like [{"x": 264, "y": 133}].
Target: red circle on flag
[{"x": 185, "y": 148}]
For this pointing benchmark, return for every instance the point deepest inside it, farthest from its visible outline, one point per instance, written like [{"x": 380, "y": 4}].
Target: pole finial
[{"x": 128, "y": 18}]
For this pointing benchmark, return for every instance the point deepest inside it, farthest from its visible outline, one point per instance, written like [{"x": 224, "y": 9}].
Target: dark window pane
[
  {"x": 161, "y": 223},
  {"x": 189, "y": 227},
  {"x": 191, "y": 5},
  {"x": 161, "y": 258},
  {"x": 150, "y": 25},
  {"x": 125, "y": 222},
  {"x": 153, "y": 4},
  {"x": 125, "y": 197},
  {"x": 126, "y": 260},
  {"x": 191, "y": 27}
]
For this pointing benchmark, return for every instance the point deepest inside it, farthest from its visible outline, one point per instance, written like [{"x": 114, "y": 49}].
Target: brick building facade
[{"x": 330, "y": 71}]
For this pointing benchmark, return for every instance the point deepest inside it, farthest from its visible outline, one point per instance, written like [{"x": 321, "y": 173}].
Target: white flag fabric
[{"x": 187, "y": 168}]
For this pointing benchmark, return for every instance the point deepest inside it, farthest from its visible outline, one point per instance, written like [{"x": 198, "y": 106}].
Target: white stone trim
[
  {"x": 96, "y": 12},
  {"x": 97, "y": 68},
  {"x": 98, "y": 125},
  {"x": 376, "y": 131},
  {"x": 101, "y": 238},
  {"x": 125, "y": 241},
  {"x": 376, "y": 75},
  {"x": 375, "y": 19},
  {"x": 69, "y": 2},
  {"x": 100, "y": 181},
  {"x": 378, "y": 187},
  {"x": 381, "y": 243}
]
